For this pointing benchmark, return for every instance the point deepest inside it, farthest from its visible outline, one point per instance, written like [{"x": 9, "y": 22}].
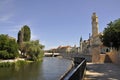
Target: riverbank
[
  {"x": 68, "y": 70},
  {"x": 12, "y": 60},
  {"x": 77, "y": 71}
]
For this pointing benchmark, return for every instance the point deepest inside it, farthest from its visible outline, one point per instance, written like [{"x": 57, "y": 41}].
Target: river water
[{"x": 51, "y": 68}]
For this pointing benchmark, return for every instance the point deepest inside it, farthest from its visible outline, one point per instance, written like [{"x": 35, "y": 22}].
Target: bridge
[{"x": 51, "y": 54}]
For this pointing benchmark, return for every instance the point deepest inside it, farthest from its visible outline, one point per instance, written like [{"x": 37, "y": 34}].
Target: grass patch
[
  {"x": 6, "y": 64},
  {"x": 12, "y": 64}
]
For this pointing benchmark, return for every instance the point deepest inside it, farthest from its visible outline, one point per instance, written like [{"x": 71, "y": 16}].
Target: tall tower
[{"x": 94, "y": 25}]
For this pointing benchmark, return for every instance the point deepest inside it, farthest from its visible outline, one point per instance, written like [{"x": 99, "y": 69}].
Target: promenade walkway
[{"x": 106, "y": 71}]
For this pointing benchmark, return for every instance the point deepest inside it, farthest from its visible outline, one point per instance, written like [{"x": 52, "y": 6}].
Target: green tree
[
  {"x": 33, "y": 49},
  {"x": 20, "y": 37},
  {"x": 26, "y": 33},
  {"x": 111, "y": 34},
  {"x": 8, "y": 47},
  {"x": 20, "y": 40}
]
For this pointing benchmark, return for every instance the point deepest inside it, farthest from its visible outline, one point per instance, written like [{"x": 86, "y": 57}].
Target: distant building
[
  {"x": 94, "y": 41},
  {"x": 93, "y": 46},
  {"x": 64, "y": 49},
  {"x": 80, "y": 49}
]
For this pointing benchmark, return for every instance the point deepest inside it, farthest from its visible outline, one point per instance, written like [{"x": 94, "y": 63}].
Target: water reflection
[{"x": 50, "y": 69}]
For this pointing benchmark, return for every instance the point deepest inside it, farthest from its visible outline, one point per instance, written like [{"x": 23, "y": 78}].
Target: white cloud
[
  {"x": 5, "y": 18},
  {"x": 15, "y": 28},
  {"x": 49, "y": 47},
  {"x": 34, "y": 37},
  {"x": 6, "y": 10},
  {"x": 18, "y": 26},
  {"x": 5, "y": 3}
]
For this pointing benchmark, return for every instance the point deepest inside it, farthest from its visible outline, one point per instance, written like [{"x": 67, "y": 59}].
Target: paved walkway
[{"x": 106, "y": 71}]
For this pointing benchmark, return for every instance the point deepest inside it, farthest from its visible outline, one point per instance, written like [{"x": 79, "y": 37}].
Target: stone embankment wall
[
  {"x": 97, "y": 57},
  {"x": 109, "y": 57},
  {"x": 114, "y": 55},
  {"x": 95, "y": 54},
  {"x": 88, "y": 57}
]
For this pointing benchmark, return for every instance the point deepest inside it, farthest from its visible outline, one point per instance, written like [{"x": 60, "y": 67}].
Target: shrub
[
  {"x": 8, "y": 47},
  {"x": 6, "y": 64}
]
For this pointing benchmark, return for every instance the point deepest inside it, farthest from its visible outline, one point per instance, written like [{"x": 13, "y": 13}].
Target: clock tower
[{"x": 95, "y": 31}]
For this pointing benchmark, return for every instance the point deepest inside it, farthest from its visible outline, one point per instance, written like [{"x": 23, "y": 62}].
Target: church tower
[
  {"x": 81, "y": 44},
  {"x": 94, "y": 25}
]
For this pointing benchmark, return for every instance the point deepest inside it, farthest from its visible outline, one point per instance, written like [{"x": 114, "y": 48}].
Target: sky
[{"x": 56, "y": 22}]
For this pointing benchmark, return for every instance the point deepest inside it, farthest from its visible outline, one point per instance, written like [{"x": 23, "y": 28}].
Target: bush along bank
[{"x": 12, "y": 64}]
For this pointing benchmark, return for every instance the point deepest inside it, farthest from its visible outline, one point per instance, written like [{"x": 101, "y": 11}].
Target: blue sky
[{"x": 56, "y": 22}]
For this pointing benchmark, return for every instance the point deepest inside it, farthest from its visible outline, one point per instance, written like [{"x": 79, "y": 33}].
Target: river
[{"x": 51, "y": 68}]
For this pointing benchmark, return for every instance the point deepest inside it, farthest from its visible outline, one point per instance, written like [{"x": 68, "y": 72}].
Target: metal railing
[{"x": 78, "y": 71}]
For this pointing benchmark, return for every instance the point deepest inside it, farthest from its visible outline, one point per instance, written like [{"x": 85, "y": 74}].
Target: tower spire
[{"x": 80, "y": 49}]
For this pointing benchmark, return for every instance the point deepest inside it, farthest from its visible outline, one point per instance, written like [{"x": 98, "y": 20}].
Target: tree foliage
[
  {"x": 26, "y": 33},
  {"x": 111, "y": 34},
  {"x": 20, "y": 37},
  {"x": 20, "y": 40},
  {"x": 8, "y": 47},
  {"x": 33, "y": 49}
]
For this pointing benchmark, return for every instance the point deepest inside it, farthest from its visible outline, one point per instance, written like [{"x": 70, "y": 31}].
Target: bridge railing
[{"x": 78, "y": 71}]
